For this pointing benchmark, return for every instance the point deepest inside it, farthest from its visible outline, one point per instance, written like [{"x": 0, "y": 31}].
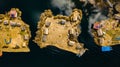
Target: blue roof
[{"x": 106, "y": 48}]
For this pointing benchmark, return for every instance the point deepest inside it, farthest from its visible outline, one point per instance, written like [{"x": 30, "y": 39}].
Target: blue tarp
[
  {"x": 106, "y": 48},
  {"x": 118, "y": 38}
]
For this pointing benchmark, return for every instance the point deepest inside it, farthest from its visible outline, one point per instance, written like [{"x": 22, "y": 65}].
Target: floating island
[
  {"x": 14, "y": 33},
  {"x": 60, "y": 31},
  {"x": 107, "y": 32}
]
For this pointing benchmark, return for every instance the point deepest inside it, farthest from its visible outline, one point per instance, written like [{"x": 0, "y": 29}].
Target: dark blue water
[{"x": 51, "y": 56}]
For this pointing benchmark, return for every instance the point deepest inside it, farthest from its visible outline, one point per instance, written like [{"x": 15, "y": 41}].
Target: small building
[
  {"x": 62, "y": 22},
  {"x": 79, "y": 46},
  {"x": 0, "y": 21},
  {"x": 75, "y": 18},
  {"x": 47, "y": 24},
  {"x": 71, "y": 43},
  {"x": 96, "y": 25},
  {"x": 18, "y": 24},
  {"x": 13, "y": 24},
  {"x": 13, "y": 13},
  {"x": 45, "y": 31},
  {"x": 99, "y": 32},
  {"x": 101, "y": 40},
  {"x": 23, "y": 28},
  {"x": 44, "y": 38},
  {"x": 24, "y": 45},
  {"x": 6, "y": 22},
  {"x": 26, "y": 37},
  {"x": 71, "y": 31}
]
